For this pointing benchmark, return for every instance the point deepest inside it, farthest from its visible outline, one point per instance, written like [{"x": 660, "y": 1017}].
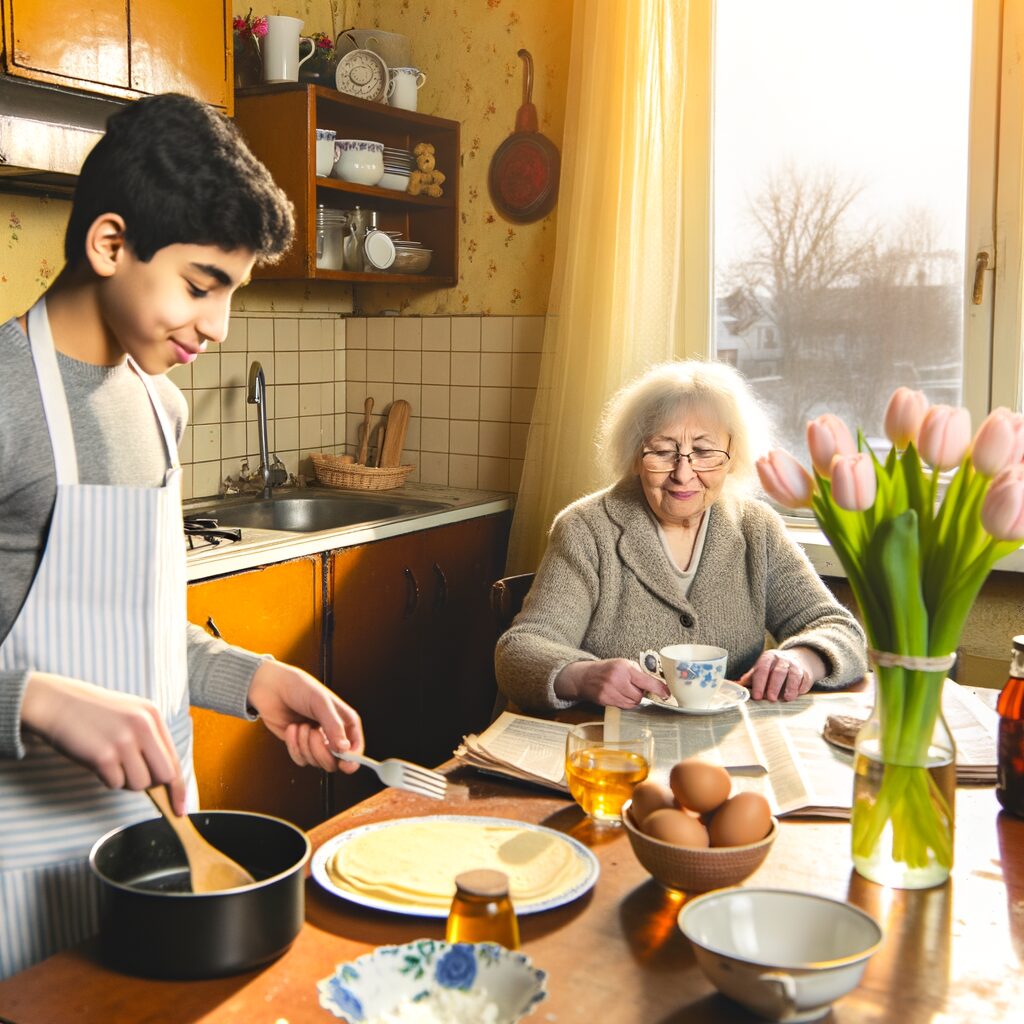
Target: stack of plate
[{"x": 398, "y": 165}]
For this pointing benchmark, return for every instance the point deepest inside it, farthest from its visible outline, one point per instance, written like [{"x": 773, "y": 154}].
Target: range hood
[{"x": 45, "y": 134}]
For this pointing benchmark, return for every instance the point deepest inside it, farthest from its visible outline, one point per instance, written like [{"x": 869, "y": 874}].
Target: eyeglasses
[{"x": 701, "y": 460}]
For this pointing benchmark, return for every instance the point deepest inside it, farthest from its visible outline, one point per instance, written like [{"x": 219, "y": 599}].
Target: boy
[{"x": 98, "y": 664}]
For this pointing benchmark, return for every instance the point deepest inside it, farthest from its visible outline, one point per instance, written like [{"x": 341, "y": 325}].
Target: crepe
[{"x": 414, "y": 863}]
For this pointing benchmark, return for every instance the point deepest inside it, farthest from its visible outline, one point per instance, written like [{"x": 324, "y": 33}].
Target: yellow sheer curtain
[{"x": 631, "y": 281}]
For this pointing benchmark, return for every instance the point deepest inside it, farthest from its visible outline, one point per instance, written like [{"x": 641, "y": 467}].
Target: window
[{"x": 855, "y": 182}]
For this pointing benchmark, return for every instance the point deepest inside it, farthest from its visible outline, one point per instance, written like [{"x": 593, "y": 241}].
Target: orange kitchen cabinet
[
  {"x": 122, "y": 48},
  {"x": 411, "y": 637},
  {"x": 276, "y": 610}
]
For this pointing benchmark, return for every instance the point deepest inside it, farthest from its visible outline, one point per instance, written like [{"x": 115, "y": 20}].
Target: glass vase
[{"x": 902, "y": 821}]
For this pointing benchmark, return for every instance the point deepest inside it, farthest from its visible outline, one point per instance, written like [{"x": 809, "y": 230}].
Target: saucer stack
[{"x": 398, "y": 165}]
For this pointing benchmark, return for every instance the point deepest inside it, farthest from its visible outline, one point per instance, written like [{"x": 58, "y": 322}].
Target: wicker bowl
[
  {"x": 331, "y": 471},
  {"x": 694, "y": 870}
]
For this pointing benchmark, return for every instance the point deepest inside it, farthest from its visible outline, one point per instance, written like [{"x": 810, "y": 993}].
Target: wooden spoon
[
  {"x": 365, "y": 446},
  {"x": 210, "y": 869}
]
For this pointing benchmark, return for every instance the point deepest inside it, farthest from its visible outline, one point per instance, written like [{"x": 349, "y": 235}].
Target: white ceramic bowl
[
  {"x": 784, "y": 955},
  {"x": 463, "y": 977},
  {"x": 358, "y": 161},
  {"x": 395, "y": 180}
]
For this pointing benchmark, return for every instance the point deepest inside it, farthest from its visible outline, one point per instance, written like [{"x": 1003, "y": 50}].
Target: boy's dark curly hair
[{"x": 178, "y": 171}]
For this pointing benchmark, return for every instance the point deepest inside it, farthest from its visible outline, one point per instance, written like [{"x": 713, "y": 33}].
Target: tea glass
[{"x": 603, "y": 767}]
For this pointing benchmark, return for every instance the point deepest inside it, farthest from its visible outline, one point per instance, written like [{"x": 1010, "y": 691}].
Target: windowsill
[{"x": 824, "y": 560}]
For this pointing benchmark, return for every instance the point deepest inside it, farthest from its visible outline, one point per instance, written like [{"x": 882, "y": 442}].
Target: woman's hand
[
  {"x": 784, "y": 675},
  {"x": 616, "y": 682},
  {"x": 302, "y": 712},
  {"x": 120, "y": 737}
]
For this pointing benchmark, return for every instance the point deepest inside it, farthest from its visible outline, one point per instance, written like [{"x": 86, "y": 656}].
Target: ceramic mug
[
  {"x": 693, "y": 673},
  {"x": 359, "y": 161},
  {"x": 404, "y": 86},
  {"x": 324, "y": 152},
  {"x": 281, "y": 44}
]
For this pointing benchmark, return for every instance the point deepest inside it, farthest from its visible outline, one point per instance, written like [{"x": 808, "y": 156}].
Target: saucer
[{"x": 729, "y": 696}]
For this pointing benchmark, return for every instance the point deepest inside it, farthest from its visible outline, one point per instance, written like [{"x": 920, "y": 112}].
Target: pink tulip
[
  {"x": 1018, "y": 432},
  {"x": 997, "y": 442},
  {"x": 903, "y": 416},
  {"x": 853, "y": 482},
  {"x": 1002, "y": 513},
  {"x": 785, "y": 480},
  {"x": 945, "y": 436},
  {"x": 827, "y": 437}
]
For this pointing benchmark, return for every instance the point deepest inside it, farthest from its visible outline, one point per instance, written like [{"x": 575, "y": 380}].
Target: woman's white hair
[{"x": 711, "y": 392}]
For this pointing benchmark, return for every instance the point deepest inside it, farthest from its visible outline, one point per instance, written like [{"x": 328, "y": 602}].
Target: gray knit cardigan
[{"x": 605, "y": 589}]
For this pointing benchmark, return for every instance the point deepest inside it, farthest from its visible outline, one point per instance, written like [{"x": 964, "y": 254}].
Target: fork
[{"x": 403, "y": 775}]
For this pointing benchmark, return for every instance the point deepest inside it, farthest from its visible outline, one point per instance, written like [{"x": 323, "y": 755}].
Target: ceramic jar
[{"x": 358, "y": 161}]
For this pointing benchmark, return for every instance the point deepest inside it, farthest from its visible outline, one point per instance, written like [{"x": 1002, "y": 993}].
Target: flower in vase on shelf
[
  {"x": 321, "y": 67},
  {"x": 915, "y": 565},
  {"x": 248, "y": 31}
]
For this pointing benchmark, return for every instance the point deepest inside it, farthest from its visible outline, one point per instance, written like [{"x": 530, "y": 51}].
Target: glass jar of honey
[{"x": 482, "y": 910}]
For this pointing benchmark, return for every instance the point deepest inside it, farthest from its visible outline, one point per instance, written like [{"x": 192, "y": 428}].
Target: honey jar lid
[{"x": 482, "y": 883}]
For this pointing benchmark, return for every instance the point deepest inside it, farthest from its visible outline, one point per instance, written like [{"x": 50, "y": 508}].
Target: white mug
[
  {"x": 404, "y": 85},
  {"x": 281, "y": 49},
  {"x": 693, "y": 673}
]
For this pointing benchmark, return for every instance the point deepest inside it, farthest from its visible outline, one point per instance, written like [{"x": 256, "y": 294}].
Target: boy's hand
[
  {"x": 310, "y": 719},
  {"x": 120, "y": 737}
]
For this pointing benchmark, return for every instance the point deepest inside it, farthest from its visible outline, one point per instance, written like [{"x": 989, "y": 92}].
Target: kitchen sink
[{"x": 309, "y": 511}]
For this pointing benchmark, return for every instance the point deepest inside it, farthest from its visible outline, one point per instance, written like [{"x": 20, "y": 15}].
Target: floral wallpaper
[
  {"x": 467, "y": 49},
  {"x": 31, "y": 249}
]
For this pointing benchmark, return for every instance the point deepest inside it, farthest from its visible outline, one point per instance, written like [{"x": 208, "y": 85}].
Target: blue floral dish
[{"x": 390, "y": 976}]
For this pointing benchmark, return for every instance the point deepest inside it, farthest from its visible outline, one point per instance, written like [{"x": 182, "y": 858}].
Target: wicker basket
[{"x": 332, "y": 472}]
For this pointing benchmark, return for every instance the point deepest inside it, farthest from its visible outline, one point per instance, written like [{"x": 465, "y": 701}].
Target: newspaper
[{"x": 774, "y": 748}]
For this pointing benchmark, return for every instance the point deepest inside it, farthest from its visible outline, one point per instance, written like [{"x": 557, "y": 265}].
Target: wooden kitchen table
[{"x": 950, "y": 954}]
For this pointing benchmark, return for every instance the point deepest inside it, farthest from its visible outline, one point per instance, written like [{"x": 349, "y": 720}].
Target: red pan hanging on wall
[{"x": 523, "y": 179}]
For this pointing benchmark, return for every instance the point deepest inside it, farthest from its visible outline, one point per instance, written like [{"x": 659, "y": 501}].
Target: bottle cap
[{"x": 482, "y": 883}]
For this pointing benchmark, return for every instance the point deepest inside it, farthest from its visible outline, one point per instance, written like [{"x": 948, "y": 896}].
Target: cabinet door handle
[
  {"x": 441, "y": 594},
  {"x": 212, "y": 627},
  {"x": 413, "y": 600}
]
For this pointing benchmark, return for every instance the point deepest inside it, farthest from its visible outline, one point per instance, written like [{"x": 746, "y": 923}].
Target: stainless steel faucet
[{"x": 257, "y": 396}]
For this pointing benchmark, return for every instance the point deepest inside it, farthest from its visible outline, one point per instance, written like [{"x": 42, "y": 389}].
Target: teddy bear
[{"x": 426, "y": 179}]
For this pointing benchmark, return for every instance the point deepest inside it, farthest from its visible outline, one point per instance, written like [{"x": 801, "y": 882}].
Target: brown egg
[
  {"x": 745, "y": 818},
  {"x": 650, "y": 796},
  {"x": 675, "y": 827},
  {"x": 699, "y": 786}
]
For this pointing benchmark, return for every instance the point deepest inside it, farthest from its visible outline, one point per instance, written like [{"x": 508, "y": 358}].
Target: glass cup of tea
[{"x": 602, "y": 768}]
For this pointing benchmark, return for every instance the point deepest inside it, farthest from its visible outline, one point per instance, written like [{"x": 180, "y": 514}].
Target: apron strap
[{"x": 166, "y": 430}]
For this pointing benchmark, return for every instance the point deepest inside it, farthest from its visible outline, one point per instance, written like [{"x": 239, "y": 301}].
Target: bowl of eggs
[{"x": 693, "y": 835}]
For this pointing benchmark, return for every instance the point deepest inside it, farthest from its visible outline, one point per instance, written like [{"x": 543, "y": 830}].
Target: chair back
[{"x": 507, "y": 596}]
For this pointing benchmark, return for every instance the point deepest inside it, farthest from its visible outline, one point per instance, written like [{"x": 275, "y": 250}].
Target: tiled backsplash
[{"x": 470, "y": 381}]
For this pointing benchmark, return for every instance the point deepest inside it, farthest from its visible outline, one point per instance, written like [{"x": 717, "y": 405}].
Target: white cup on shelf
[
  {"x": 403, "y": 89},
  {"x": 324, "y": 151}
]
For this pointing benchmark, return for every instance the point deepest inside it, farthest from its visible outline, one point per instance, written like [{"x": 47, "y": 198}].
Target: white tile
[
  {"x": 310, "y": 338},
  {"x": 464, "y": 437},
  {"x": 496, "y": 334},
  {"x": 518, "y": 433},
  {"x": 286, "y": 368},
  {"x": 311, "y": 369},
  {"x": 206, "y": 479},
  {"x": 326, "y": 432},
  {"x": 286, "y": 434},
  {"x": 492, "y": 474},
  {"x": 205, "y": 442},
  {"x": 412, "y": 393},
  {"x": 494, "y": 438},
  {"x": 525, "y": 369},
  {"x": 181, "y": 375},
  {"x": 185, "y": 447},
  {"x": 437, "y": 334},
  {"x": 340, "y": 433},
  {"x": 465, "y": 403},
  {"x": 380, "y": 366},
  {"x": 327, "y": 364},
  {"x": 434, "y": 435},
  {"x": 496, "y": 369},
  {"x": 286, "y": 400},
  {"x": 436, "y": 367},
  {"x": 495, "y": 403},
  {"x": 527, "y": 333},
  {"x": 355, "y": 332},
  {"x": 187, "y": 490},
  {"x": 232, "y": 405},
  {"x": 234, "y": 370},
  {"x": 380, "y": 332},
  {"x": 310, "y": 436},
  {"x": 355, "y": 364},
  {"x": 309, "y": 400},
  {"x": 340, "y": 398},
  {"x": 435, "y": 401},
  {"x": 355, "y": 396},
  {"x": 261, "y": 335},
  {"x": 340, "y": 365},
  {"x": 232, "y": 440},
  {"x": 205, "y": 406},
  {"x": 434, "y": 468},
  {"x": 466, "y": 334},
  {"x": 340, "y": 333},
  {"x": 522, "y": 404},
  {"x": 286, "y": 334},
  {"x": 412, "y": 433},
  {"x": 462, "y": 470},
  {"x": 407, "y": 367},
  {"x": 238, "y": 335},
  {"x": 327, "y": 333},
  {"x": 326, "y": 399},
  {"x": 408, "y": 333},
  {"x": 265, "y": 357},
  {"x": 466, "y": 369},
  {"x": 206, "y": 370}
]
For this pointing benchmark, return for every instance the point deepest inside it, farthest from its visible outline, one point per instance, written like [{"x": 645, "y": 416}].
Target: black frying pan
[{"x": 523, "y": 179}]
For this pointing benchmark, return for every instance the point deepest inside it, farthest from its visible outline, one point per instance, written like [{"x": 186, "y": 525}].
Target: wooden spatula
[
  {"x": 210, "y": 869},
  {"x": 394, "y": 434}
]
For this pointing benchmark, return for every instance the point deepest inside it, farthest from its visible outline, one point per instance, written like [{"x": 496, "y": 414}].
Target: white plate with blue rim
[
  {"x": 467, "y": 981},
  {"x": 728, "y": 697},
  {"x": 580, "y": 882}
]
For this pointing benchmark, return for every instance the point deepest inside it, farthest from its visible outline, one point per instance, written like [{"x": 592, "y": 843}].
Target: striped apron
[{"x": 107, "y": 606}]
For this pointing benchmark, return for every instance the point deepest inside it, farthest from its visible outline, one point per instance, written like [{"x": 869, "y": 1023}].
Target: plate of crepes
[
  {"x": 729, "y": 695},
  {"x": 408, "y": 865}
]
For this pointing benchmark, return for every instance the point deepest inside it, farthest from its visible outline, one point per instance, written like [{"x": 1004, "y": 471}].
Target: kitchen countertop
[{"x": 265, "y": 547}]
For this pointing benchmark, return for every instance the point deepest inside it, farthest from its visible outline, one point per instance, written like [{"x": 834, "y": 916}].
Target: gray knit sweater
[{"x": 605, "y": 589}]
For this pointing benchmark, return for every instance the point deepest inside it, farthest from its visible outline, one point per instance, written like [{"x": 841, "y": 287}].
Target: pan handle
[{"x": 527, "y": 74}]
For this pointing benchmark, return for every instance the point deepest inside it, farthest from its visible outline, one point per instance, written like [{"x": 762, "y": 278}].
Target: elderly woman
[{"x": 675, "y": 552}]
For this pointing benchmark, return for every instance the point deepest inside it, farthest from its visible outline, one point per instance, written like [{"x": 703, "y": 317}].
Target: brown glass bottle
[
  {"x": 1010, "y": 772},
  {"x": 482, "y": 910}
]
